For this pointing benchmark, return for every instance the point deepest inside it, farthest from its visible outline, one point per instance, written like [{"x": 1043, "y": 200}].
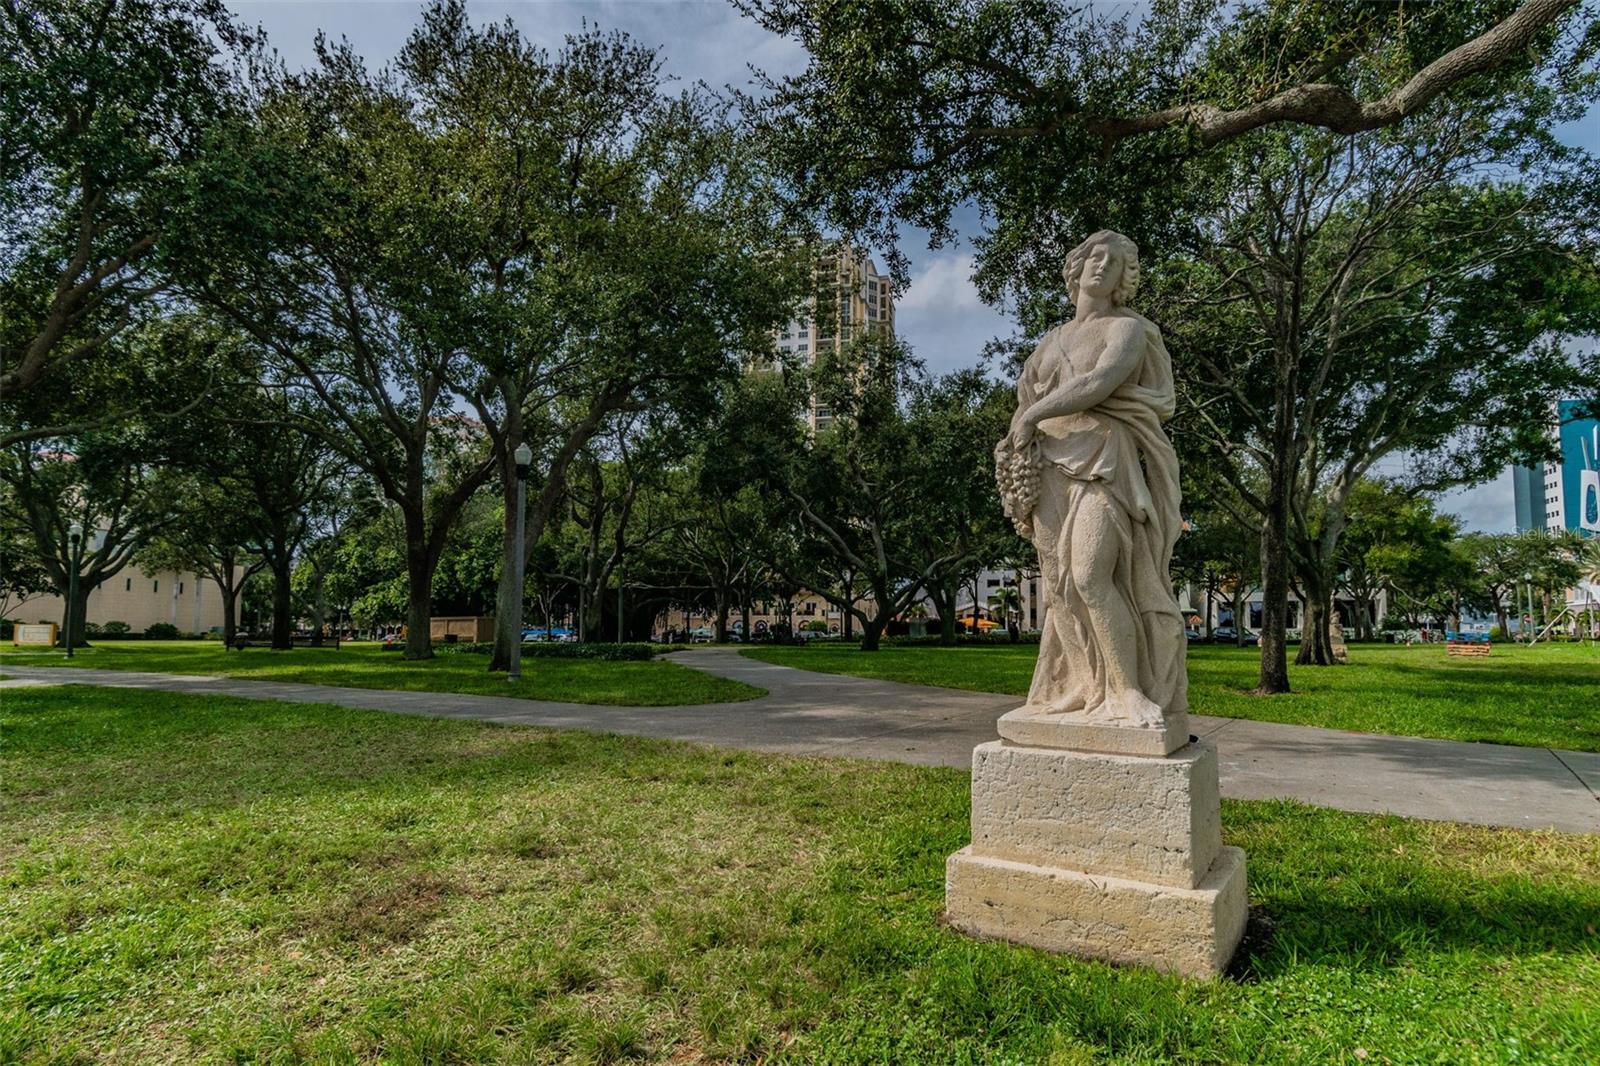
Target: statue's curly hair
[{"x": 1127, "y": 287}]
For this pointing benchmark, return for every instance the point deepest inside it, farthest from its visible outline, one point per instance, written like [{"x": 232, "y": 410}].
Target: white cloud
[
  {"x": 941, "y": 316},
  {"x": 700, "y": 40},
  {"x": 944, "y": 284}
]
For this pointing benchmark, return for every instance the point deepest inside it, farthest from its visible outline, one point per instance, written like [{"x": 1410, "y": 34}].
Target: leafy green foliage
[
  {"x": 108, "y": 110},
  {"x": 1055, "y": 119}
]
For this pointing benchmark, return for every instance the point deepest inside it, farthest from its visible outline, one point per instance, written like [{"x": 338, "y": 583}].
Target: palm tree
[{"x": 1007, "y": 599}]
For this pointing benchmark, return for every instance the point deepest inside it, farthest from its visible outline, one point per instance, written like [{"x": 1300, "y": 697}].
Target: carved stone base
[
  {"x": 1188, "y": 931},
  {"x": 1071, "y": 731},
  {"x": 1107, "y": 856}
]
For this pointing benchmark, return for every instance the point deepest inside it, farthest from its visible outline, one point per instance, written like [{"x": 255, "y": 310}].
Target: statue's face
[{"x": 1102, "y": 271}]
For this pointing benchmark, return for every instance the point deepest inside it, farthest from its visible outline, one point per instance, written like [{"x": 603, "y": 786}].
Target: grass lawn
[
  {"x": 1544, "y": 696},
  {"x": 196, "y": 879},
  {"x": 651, "y": 683}
]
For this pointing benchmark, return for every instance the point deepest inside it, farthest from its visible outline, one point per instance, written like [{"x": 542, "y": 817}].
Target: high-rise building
[
  {"x": 850, "y": 297},
  {"x": 1564, "y": 494},
  {"x": 1527, "y": 492}
]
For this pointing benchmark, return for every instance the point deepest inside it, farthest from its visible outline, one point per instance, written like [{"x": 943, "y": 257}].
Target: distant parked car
[
  {"x": 1229, "y": 635},
  {"x": 1193, "y": 634}
]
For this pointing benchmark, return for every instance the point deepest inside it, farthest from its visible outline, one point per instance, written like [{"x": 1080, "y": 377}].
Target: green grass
[
  {"x": 1544, "y": 696},
  {"x": 193, "y": 879},
  {"x": 652, "y": 683}
]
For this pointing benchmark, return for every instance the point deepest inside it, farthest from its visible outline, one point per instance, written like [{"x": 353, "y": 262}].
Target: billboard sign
[{"x": 1580, "y": 467}]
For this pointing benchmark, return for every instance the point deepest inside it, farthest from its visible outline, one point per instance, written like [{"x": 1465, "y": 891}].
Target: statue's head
[{"x": 1105, "y": 264}]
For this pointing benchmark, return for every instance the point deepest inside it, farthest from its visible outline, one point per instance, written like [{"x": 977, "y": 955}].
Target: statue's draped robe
[{"x": 1117, "y": 448}]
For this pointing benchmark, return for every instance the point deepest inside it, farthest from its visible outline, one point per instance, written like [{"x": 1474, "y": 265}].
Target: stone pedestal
[{"x": 1097, "y": 853}]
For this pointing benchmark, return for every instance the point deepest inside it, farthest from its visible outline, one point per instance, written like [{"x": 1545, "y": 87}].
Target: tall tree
[
  {"x": 1058, "y": 118},
  {"x": 619, "y": 503},
  {"x": 211, "y": 529},
  {"x": 346, "y": 279},
  {"x": 104, "y": 482},
  {"x": 1394, "y": 539},
  {"x": 958, "y": 527},
  {"x": 854, "y": 487},
  {"x": 1373, "y": 296},
  {"x": 107, "y": 109}
]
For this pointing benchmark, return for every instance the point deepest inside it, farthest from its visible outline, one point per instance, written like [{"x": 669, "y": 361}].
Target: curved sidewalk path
[{"x": 807, "y": 713}]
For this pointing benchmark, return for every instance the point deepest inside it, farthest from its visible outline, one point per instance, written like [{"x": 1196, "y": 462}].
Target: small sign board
[{"x": 43, "y": 633}]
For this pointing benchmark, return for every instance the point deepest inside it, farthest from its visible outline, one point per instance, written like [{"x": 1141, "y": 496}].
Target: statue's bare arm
[{"x": 1118, "y": 361}]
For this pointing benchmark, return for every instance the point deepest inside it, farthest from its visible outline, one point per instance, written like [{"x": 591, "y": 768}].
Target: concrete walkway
[{"x": 807, "y": 713}]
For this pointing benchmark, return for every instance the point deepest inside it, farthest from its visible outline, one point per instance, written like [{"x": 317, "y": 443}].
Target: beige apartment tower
[{"x": 850, "y": 297}]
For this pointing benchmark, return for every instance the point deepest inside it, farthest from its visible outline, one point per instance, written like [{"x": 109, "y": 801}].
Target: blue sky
[{"x": 707, "y": 40}]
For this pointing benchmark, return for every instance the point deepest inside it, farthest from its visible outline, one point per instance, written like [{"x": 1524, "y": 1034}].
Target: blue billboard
[{"x": 1580, "y": 467}]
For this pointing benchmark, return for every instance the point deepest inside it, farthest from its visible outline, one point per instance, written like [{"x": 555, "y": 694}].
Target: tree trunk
[
  {"x": 419, "y": 596},
  {"x": 282, "y": 607},
  {"x": 872, "y": 631},
  {"x": 592, "y": 625},
  {"x": 230, "y": 610},
  {"x": 74, "y": 617},
  {"x": 1274, "y": 675},
  {"x": 947, "y": 615},
  {"x": 722, "y": 617},
  {"x": 1316, "y": 649},
  {"x": 507, "y": 633},
  {"x": 319, "y": 606}
]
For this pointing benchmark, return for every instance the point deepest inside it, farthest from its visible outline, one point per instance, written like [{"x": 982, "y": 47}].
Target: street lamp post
[
  {"x": 75, "y": 554},
  {"x": 523, "y": 457},
  {"x": 1527, "y": 580}
]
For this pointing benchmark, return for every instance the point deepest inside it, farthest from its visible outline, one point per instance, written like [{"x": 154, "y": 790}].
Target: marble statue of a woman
[{"x": 1088, "y": 474}]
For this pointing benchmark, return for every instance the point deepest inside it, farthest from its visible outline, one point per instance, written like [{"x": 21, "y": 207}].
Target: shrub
[
  {"x": 818, "y": 626},
  {"x": 91, "y": 629},
  {"x": 161, "y": 631},
  {"x": 587, "y": 650},
  {"x": 115, "y": 629}
]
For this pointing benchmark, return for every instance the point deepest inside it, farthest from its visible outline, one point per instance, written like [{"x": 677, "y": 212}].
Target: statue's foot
[{"x": 1130, "y": 708}]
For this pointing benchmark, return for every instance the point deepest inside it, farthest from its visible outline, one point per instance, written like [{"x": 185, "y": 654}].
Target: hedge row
[
  {"x": 590, "y": 650},
  {"x": 985, "y": 639},
  {"x": 119, "y": 631}
]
